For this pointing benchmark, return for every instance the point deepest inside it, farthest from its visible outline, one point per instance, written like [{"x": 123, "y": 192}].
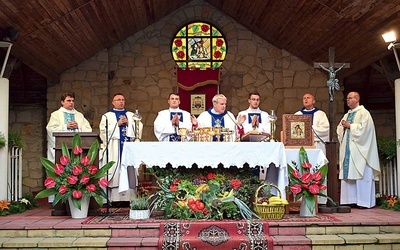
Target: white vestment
[
  {"x": 320, "y": 126},
  {"x": 205, "y": 120},
  {"x": 110, "y": 136},
  {"x": 58, "y": 123},
  {"x": 263, "y": 127},
  {"x": 363, "y": 162},
  {"x": 163, "y": 127}
]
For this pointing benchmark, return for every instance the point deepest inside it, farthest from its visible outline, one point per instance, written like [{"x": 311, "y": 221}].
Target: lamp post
[{"x": 390, "y": 37}]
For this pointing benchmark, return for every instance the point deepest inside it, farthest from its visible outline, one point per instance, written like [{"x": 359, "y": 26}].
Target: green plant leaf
[
  {"x": 65, "y": 151},
  {"x": 45, "y": 193},
  {"x": 92, "y": 153}
]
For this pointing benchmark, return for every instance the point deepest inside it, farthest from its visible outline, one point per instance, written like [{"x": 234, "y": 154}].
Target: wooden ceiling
[{"x": 57, "y": 35}]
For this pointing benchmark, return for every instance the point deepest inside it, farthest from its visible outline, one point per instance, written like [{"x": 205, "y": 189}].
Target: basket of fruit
[{"x": 268, "y": 206}]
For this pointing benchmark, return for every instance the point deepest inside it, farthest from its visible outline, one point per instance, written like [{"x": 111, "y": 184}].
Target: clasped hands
[
  {"x": 72, "y": 125},
  {"x": 345, "y": 124},
  {"x": 123, "y": 121}
]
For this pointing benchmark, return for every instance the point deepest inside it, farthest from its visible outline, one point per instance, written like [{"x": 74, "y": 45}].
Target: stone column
[{"x": 397, "y": 110}]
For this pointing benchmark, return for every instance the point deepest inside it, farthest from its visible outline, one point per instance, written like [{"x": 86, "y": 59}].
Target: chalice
[
  {"x": 182, "y": 132},
  {"x": 196, "y": 132}
]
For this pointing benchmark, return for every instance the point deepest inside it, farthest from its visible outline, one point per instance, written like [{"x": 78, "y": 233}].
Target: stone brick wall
[{"x": 141, "y": 67}]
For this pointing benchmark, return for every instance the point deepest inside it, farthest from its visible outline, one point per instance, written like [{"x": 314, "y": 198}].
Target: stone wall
[{"x": 141, "y": 67}]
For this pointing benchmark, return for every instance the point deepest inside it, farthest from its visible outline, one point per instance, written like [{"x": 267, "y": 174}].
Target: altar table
[{"x": 270, "y": 156}]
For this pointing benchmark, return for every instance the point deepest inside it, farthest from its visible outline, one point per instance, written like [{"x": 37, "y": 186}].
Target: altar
[{"x": 271, "y": 157}]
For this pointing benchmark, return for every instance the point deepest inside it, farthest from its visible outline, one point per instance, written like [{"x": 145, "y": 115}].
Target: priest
[{"x": 218, "y": 116}]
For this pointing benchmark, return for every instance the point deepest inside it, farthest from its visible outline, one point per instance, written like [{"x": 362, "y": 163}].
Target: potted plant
[
  {"x": 139, "y": 208},
  {"x": 15, "y": 140},
  {"x": 306, "y": 182},
  {"x": 74, "y": 178},
  {"x": 3, "y": 141}
]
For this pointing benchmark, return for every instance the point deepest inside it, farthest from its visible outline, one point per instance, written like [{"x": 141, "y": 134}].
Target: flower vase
[
  {"x": 305, "y": 211},
  {"x": 77, "y": 213}
]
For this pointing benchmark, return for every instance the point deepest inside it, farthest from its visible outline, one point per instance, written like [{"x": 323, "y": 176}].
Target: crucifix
[
  {"x": 332, "y": 82},
  {"x": 332, "y": 68}
]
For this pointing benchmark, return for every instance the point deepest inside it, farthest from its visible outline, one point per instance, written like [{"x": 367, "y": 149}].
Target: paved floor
[{"x": 40, "y": 218}]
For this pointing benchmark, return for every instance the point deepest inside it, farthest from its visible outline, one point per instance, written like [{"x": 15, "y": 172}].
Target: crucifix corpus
[{"x": 332, "y": 68}]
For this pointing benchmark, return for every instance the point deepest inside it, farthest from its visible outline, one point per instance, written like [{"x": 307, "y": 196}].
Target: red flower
[
  {"x": 58, "y": 169},
  {"x": 103, "y": 182},
  {"x": 217, "y": 54},
  {"x": 211, "y": 176},
  {"x": 178, "y": 42},
  {"x": 296, "y": 173},
  {"x": 92, "y": 170},
  {"x": 76, "y": 170},
  {"x": 317, "y": 176},
  {"x": 307, "y": 165},
  {"x": 322, "y": 187},
  {"x": 219, "y": 42},
  {"x": 205, "y": 28},
  {"x": 76, "y": 194},
  {"x": 85, "y": 179},
  {"x": 91, "y": 188},
  {"x": 85, "y": 160},
  {"x": 314, "y": 189},
  {"x": 77, "y": 150},
  {"x": 296, "y": 188},
  {"x": 49, "y": 183},
  {"x": 64, "y": 160},
  {"x": 235, "y": 183},
  {"x": 63, "y": 189},
  {"x": 72, "y": 179},
  {"x": 173, "y": 188},
  {"x": 180, "y": 54},
  {"x": 306, "y": 178}
]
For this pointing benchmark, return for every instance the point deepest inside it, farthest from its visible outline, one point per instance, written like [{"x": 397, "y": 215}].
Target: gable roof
[{"x": 57, "y": 35}]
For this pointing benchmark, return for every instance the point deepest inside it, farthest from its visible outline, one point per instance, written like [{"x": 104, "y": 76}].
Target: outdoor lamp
[{"x": 390, "y": 37}]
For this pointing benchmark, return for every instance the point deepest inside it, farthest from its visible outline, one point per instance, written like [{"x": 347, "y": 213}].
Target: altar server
[
  {"x": 168, "y": 121},
  {"x": 218, "y": 116},
  {"x": 253, "y": 118},
  {"x": 358, "y": 155},
  {"x": 117, "y": 127}
]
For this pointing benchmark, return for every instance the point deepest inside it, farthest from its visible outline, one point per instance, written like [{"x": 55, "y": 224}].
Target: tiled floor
[{"x": 40, "y": 218}]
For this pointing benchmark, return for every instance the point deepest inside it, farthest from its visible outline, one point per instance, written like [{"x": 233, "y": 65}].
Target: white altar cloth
[{"x": 205, "y": 154}]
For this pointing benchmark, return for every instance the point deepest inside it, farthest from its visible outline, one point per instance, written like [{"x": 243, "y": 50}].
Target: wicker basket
[{"x": 267, "y": 211}]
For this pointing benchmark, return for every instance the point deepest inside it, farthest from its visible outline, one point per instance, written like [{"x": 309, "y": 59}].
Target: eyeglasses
[
  {"x": 254, "y": 99},
  {"x": 119, "y": 100}
]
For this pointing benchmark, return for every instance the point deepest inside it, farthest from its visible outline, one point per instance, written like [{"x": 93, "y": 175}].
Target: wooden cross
[
  {"x": 332, "y": 68},
  {"x": 331, "y": 152}
]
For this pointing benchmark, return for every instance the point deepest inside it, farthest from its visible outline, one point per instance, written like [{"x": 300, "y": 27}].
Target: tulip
[
  {"x": 103, "y": 182},
  {"x": 77, "y": 150},
  {"x": 85, "y": 160},
  {"x": 64, "y": 160},
  {"x": 76, "y": 170},
  {"x": 314, "y": 189},
  {"x": 296, "y": 188},
  {"x": 72, "y": 179},
  {"x": 76, "y": 194},
  {"x": 306, "y": 178},
  {"x": 317, "y": 176},
  {"x": 91, "y": 188},
  {"x": 92, "y": 170},
  {"x": 85, "y": 179},
  {"x": 63, "y": 189},
  {"x": 58, "y": 169},
  {"x": 49, "y": 183}
]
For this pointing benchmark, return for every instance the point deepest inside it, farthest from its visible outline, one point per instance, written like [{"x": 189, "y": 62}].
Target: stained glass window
[{"x": 199, "y": 45}]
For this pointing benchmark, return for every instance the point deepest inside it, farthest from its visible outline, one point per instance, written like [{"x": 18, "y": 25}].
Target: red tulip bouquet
[
  {"x": 75, "y": 175},
  {"x": 306, "y": 182}
]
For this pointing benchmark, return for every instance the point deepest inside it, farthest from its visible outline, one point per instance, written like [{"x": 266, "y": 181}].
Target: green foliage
[
  {"x": 388, "y": 202},
  {"x": 3, "y": 141},
  {"x": 140, "y": 203},
  {"x": 387, "y": 148},
  {"x": 14, "y": 139},
  {"x": 25, "y": 203}
]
